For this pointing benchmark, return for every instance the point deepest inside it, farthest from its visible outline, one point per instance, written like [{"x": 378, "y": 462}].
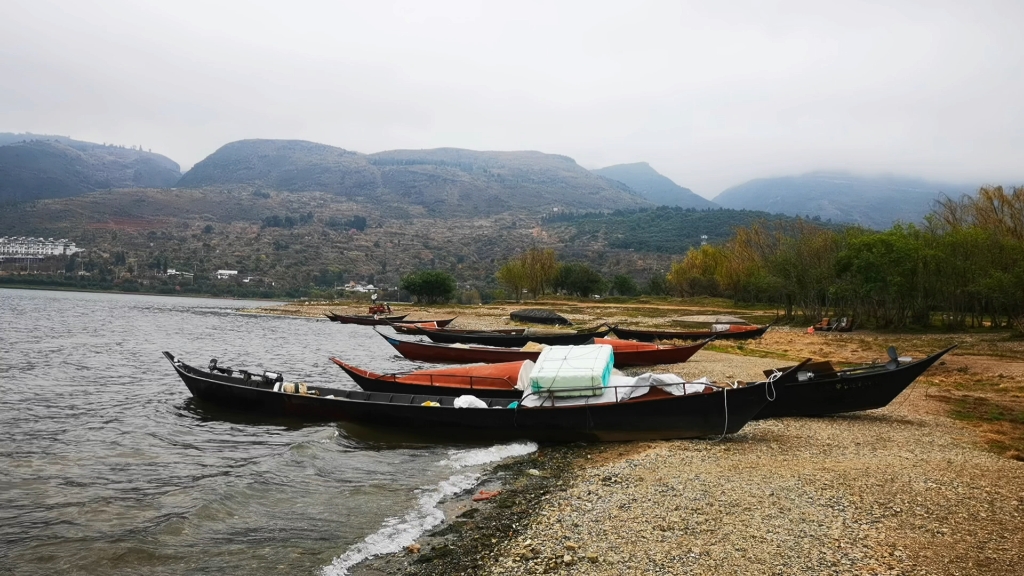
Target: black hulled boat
[
  {"x": 655, "y": 415},
  {"x": 818, "y": 388},
  {"x": 515, "y": 338}
]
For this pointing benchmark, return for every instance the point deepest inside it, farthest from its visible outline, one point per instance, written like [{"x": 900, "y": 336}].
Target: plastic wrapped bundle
[{"x": 572, "y": 370}]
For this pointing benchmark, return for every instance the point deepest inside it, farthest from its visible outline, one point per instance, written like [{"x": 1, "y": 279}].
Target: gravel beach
[{"x": 885, "y": 492}]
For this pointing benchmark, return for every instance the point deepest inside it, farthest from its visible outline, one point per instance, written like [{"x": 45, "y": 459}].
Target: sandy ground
[{"x": 903, "y": 490}]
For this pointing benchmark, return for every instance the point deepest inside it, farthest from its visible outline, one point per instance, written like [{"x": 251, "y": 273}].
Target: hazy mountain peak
[
  {"x": 653, "y": 186},
  {"x": 873, "y": 201},
  {"x": 35, "y": 166}
]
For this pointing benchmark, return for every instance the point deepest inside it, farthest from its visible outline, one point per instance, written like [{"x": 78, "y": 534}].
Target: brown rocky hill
[
  {"x": 444, "y": 181},
  {"x": 36, "y": 168},
  {"x": 210, "y": 229}
]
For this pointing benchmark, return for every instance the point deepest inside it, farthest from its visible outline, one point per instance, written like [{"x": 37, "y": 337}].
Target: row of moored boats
[{"x": 554, "y": 385}]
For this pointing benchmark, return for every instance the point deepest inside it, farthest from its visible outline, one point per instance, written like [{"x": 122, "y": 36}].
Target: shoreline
[
  {"x": 466, "y": 540},
  {"x": 139, "y": 293}
]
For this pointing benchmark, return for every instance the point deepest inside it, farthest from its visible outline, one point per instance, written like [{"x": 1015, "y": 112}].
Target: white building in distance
[
  {"x": 225, "y": 274},
  {"x": 27, "y": 247}
]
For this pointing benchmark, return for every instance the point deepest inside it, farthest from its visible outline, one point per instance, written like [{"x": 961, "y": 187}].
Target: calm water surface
[{"x": 108, "y": 466}]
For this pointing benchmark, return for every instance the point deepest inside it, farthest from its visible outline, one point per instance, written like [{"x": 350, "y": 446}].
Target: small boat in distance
[
  {"x": 413, "y": 326},
  {"x": 515, "y": 337},
  {"x": 364, "y": 319},
  {"x": 539, "y": 316},
  {"x": 730, "y": 332}
]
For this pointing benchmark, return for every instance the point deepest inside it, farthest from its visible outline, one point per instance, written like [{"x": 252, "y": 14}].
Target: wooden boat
[
  {"x": 364, "y": 319},
  {"x": 481, "y": 380},
  {"x": 430, "y": 323},
  {"x": 654, "y": 415},
  {"x": 627, "y": 352},
  {"x": 539, "y": 316},
  {"x": 818, "y": 388},
  {"x": 843, "y": 324},
  {"x": 412, "y": 327},
  {"x": 734, "y": 332},
  {"x": 516, "y": 337}
]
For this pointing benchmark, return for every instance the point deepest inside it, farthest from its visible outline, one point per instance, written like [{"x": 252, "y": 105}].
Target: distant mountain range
[
  {"x": 657, "y": 189},
  {"x": 443, "y": 180},
  {"x": 875, "y": 202},
  {"x": 34, "y": 167}
]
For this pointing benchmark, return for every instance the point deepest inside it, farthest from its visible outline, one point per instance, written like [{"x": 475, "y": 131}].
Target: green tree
[
  {"x": 429, "y": 285},
  {"x": 540, "y": 267},
  {"x": 656, "y": 286},
  {"x": 624, "y": 285},
  {"x": 578, "y": 279},
  {"x": 513, "y": 276}
]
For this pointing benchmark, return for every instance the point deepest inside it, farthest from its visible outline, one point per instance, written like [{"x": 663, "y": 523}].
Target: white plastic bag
[{"x": 468, "y": 401}]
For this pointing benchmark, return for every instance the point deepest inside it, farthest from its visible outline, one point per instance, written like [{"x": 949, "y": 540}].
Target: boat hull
[
  {"x": 852, "y": 391},
  {"x": 657, "y": 417},
  {"x": 444, "y": 353},
  {"x": 363, "y": 320},
  {"x": 652, "y": 335},
  {"x": 500, "y": 340}
]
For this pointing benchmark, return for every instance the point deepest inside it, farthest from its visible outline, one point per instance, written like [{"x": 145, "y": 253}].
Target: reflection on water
[{"x": 110, "y": 466}]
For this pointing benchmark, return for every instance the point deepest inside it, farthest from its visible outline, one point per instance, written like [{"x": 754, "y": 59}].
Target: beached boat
[
  {"x": 430, "y": 323},
  {"x": 843, "y": 324},
  {"x": 818, "y": 388},
  {"x": 650, "y": 413},
  {"x": 515, "y": 338},
  {"x": 539, "y": 316},
  {"x": 365, "y": 319},
  {"x": 413, "y": 326},
  {"x": 727, "y": 332},
  {"x": 627, "y": 352}
]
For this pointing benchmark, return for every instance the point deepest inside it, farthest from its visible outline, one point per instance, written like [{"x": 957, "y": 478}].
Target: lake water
[{"x": 108, "y": 466}]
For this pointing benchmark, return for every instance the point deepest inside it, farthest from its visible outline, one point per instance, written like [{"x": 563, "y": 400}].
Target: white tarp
[{"x": 621, "y": 388}]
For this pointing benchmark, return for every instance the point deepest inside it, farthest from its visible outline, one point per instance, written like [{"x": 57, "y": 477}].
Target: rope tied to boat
[
  {"x": 725, "y": 404},
  {"x": 771, "y": 385}
]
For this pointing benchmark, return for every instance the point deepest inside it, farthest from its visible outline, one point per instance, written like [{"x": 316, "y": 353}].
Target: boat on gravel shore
[
  {"x": 413, "y": 326},
  {"x": 515, "y": 337},
  {"x": 364, "y": 319},
  {"x": 818, "y": 388},
  {"x": 627, "y": 352},
  {"x": 636, "y": 412},
  {"x": 806, "y": 389},
  {"x": 728, "y": 332}
]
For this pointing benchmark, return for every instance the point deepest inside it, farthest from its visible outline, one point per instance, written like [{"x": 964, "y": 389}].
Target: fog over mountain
[
  {"x": 712, "y": 94},
  {"x": 875, "y": 202},
  {"x": 653, "y": 186}
]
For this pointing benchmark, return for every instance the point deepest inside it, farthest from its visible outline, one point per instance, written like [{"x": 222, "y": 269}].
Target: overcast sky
[{"x": 709, "y": 93}]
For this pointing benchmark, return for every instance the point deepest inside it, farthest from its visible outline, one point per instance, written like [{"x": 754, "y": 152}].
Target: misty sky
[{"x": 710, "y": 95}]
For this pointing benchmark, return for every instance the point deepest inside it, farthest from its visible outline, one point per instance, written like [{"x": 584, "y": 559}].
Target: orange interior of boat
[{"x": 626, "y": 345}]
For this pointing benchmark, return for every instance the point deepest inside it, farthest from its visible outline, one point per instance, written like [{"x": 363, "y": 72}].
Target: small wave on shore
[{"x": 399, "y": 532}]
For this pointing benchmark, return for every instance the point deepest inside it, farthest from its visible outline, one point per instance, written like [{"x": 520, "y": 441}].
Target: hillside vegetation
[
  {"x": 293, "y": 239},
  {"x": 875, "y": 202},
  {"x": 34, "y": 169},
  {"x": 656, "y": 188},
  {"x": 662, "y": 230},
  {"x": 443, "y": 181}
]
